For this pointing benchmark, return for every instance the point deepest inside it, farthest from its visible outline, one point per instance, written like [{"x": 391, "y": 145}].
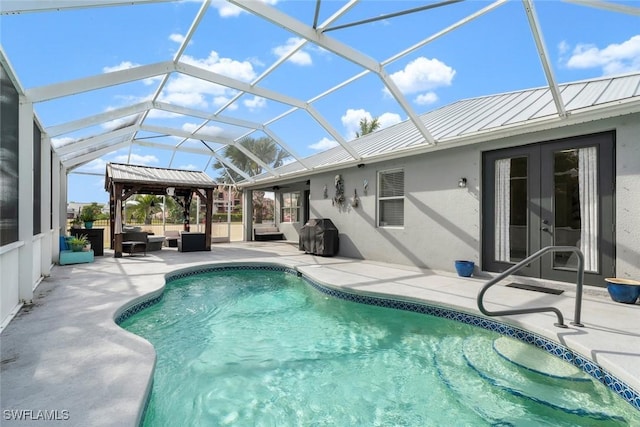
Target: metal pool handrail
[{"x": 523, "y": 263}]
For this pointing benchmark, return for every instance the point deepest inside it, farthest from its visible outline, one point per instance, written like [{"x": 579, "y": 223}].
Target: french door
[{"x": 558, "y": 193}]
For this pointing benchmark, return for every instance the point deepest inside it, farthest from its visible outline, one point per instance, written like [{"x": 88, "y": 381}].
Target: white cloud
[
  {"x": 136, "y": 159},
  {"x": 190, "y": 167},
  {"x": 180, "y": 95},
  {"x": 227, "y": 10},
  {"x": 255, "y": 103},
  {"x": 388, "y": 119},
  {"x": 323, "y": 144},
  {"x": 299, "y": 58},
  {"x": 178, "y": 38},
  {"x": 426, "y": 98},
  {"x": 239, "y": 70},
  {"x": 161, "y": 114},
  {"x": 207, "y": 130},
  {"x": 613, "y": 59},
  {"x": 563, "y": 47},
  {"x": 196, "y": 93},
  {"x": 219, "y": 101},
  {"x": 96, "y": 165},
  {"x": 124, "y": 65},
  {"x": 423, "y": 74},
  {"x": 351, "y": 120}
]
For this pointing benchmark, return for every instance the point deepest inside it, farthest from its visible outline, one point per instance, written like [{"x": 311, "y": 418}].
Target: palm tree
[
  {"x": 145, "y": 207},
  {"x": 367, "y": 126},
  {"x": 266, "y": 150}
]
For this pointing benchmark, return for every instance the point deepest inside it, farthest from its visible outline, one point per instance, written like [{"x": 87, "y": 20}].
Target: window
[
  {"x": 290, "y": 207},
  {"x": 391, "y": 198},
  {"x": 9, "y": 153}
]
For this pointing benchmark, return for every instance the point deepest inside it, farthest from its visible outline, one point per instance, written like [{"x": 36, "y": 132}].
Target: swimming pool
[{"x": 258, "y": 346}]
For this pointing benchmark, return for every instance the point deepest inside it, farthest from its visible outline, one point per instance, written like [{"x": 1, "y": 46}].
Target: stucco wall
[
  {"x": 442, "y": 221},
  {"x": 628, "y": 199},
  {"x": 436, "y": 210}
]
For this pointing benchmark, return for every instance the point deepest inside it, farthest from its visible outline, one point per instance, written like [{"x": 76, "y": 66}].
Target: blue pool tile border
[{"x": 553, "y": 348}]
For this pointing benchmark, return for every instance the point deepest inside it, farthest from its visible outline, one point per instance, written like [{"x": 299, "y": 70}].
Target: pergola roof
[
  {"x": 152, "y": 180},
  {"x": 136, "y": 124}
]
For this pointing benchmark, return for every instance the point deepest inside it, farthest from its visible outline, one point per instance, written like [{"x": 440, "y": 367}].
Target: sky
[{"x": 492, "y": 54}]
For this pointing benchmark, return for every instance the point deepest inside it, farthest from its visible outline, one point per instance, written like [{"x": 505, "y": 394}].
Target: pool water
[{"x": 263, "y": 348}]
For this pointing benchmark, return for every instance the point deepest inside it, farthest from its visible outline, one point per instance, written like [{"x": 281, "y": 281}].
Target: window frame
[
  {"x": 291, "y": 207},
  {"x": 380, "y": 199}
]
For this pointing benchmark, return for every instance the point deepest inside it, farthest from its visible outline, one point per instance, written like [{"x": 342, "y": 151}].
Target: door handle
[{"x": 547, "y": 229}]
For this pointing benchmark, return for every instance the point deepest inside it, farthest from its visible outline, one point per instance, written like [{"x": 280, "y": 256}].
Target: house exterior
[{"x": 507, "y": 177}]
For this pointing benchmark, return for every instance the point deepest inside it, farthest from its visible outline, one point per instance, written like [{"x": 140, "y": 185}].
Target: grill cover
[{"x": 319, "y": 237}]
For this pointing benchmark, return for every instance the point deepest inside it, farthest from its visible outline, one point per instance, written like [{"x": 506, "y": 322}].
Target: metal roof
[
  {"x": 145, "y": 175},
  {"x": 483, "y": 117}
]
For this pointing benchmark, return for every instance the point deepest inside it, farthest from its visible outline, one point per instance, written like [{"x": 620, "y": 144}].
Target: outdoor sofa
[{"x": 267, "y": 233}]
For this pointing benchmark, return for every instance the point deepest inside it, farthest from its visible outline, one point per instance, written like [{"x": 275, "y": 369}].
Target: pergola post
[
  {"x": 208, "y": 217},
  {"x": 247, "y": 216},
  {"x": 112, "y": 216},
  {"x": 117, "y": 249},
  {"x": 186, "y": 208}
]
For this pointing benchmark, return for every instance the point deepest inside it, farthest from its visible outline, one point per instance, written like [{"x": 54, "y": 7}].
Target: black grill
[{"x": 319, "y": 237}]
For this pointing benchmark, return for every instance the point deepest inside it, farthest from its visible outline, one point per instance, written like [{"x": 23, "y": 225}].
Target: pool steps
[
  {"x": 537, "y": 360},
  {"x": 486, "y": 382}
]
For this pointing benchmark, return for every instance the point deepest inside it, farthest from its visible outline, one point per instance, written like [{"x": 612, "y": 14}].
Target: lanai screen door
[{"x": 555, "y": 193}]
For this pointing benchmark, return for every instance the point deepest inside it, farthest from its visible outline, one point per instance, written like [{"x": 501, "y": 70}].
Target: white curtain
[
  {"x": 502, "y": 209},
  {"x": 588, "y": 184}
]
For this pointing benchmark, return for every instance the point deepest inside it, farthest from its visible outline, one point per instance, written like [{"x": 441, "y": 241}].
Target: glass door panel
[
  {"x": 511, "y": 230},
  {"x": 512, "y": 187},
  {"x": 576, "y": 206},
  {"x": 566, "y": 206}
]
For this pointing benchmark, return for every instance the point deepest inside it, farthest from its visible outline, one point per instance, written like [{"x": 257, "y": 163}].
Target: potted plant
[
  {"x": 77, "y": 243},
  {"x": 88, "y": 215},
  {"x": 76, "y": 223}
]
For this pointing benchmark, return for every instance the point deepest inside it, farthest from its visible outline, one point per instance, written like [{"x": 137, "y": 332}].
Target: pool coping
[{"x": 588, "y": 366}]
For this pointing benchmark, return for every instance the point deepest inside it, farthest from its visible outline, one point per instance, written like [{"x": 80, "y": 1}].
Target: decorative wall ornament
[
  {"x": 365, "y": 185},
  {"x": 338, "y": 199},
  {"x": 355, "y": 202}
]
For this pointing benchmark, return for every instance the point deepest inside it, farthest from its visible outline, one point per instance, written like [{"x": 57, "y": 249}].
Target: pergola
[{"x": 122, "y": 181}]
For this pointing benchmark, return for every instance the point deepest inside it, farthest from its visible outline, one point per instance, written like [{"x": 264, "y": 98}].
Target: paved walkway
[{"x": 64, "y": 354}]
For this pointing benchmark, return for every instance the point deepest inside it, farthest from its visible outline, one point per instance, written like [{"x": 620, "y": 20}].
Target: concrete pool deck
[{"x": 65, "y": 355}]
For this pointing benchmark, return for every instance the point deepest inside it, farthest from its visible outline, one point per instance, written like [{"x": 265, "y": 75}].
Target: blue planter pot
[
  {"x": 464, "y": 268},
  {"x": 622, "y": 291}
]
